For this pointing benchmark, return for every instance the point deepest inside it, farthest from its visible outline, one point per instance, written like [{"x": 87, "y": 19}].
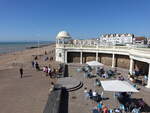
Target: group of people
[
  {"x": 99, "y": 71},
  {"x": 121, "y": 78},
  {"x": 101, "y": 108},
  {"x": 35, "y": 65},
  {"x": 52, "y": 72},
  {"x": 93, "y": 95},
  {"x": 49, "y": 71},
  {"x": 128, "y": 104},
  {"x": 105, "y": 74}
]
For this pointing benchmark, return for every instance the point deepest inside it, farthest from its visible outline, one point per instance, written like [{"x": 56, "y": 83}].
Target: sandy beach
[{"x": 29, "y": 94}]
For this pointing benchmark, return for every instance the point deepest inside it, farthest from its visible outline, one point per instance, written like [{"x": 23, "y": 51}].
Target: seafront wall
[{"x": 58, "y": 99}]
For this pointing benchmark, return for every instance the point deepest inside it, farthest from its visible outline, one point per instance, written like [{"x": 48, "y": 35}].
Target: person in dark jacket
[{"x": 21, "y": 72}]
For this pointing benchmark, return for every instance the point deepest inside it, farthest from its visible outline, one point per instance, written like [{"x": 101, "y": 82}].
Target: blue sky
[{"x": 27, "y": 20}]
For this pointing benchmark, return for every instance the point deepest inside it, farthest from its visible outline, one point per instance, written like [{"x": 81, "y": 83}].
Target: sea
[{"x": 9, "y": 47}]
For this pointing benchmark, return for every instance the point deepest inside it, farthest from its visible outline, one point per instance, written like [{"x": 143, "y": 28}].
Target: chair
[
  {"x": 122, "y": 107},
  {"x": 97, "y": 82},
  {"x": 79, "y": 70}
]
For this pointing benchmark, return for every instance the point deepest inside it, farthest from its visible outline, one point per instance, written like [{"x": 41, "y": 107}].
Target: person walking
[{"x": 21, "y": 72}]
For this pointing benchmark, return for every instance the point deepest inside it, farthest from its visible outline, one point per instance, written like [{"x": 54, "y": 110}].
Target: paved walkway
[
  {"x": 78, "y": 103},
  {"x": 26, "y": 95}
]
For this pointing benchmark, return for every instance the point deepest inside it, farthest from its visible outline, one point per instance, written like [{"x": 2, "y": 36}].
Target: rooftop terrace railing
[
  {"x": 103, "y": 46},
  {"x": 130, "y": 50}
]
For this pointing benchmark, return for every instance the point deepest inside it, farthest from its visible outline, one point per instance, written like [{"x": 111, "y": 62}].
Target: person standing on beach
[
  {"x": 21, "y": 71},
  {"x": 33, "y": 64}
]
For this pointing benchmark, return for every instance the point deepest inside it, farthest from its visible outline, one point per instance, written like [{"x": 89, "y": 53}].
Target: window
[{"x": 59, "y": 54}]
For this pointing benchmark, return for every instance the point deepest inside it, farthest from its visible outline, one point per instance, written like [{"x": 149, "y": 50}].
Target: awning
[{"x": 118, "y": 86}]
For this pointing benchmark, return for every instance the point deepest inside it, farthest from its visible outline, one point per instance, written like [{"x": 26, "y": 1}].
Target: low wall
[
  {"x": 58, "y": 99},
  {"x": 53, "y": 102}
]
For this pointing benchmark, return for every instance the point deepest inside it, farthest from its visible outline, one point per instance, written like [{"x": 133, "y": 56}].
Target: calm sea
[{"x": 9, "y": 47}]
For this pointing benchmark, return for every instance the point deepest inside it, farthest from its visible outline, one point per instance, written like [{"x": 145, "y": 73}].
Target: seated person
[
  {"x": 117, "y": 110},
  {"x": 141, "y": 103},
  {"x": 94, "y": 94},
  {"x": 110, "y": 72},
  {"x": 102, "y": 70},
  {"x": 145, "y": 79},
  {"x": 132, "y": 79},
  {"x": 97, "y": 82},
  {"x": 105, "y": 109},
  {"x": 136, "y": 110},
  {"x": 121, "y": 78},
  {"x": 90, "y": 93},
  {"x": 105, "y": 75},
  {"x": 99, "y": 106}
]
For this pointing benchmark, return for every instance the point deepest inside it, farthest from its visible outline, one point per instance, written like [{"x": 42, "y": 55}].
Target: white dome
[{"x": 63, "y": 35}]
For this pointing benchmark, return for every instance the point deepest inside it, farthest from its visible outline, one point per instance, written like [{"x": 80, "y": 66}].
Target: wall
[
  {"x": 60, "y": 55},
  {"x": 73, "y": 57},
  {"x": 88, "y": 57},
  {"x": 122, "y": 61},
  {"x": 105, "y": 59},
  {"x": 141, "y": 66}
]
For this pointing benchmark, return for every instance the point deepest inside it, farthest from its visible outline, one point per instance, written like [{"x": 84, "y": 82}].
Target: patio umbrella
[
  {"x": 118, "y": 86},
  {"x": 94, "y": 63}
]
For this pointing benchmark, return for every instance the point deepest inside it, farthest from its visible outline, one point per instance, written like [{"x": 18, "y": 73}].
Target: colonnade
[{"x": 113, "y": 64}]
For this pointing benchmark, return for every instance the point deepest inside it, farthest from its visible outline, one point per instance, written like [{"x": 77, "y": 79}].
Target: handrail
[{"x": 132, "y": 51}]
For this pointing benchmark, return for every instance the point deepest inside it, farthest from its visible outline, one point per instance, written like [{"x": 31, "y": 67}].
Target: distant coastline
[{"x": 10, "y": 47}]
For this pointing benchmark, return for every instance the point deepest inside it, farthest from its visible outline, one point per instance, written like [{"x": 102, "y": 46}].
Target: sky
[{"x": 31, "y": 20}]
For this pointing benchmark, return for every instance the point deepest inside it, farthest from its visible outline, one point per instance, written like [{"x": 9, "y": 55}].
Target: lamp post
[{"x": 38, "y": 44}]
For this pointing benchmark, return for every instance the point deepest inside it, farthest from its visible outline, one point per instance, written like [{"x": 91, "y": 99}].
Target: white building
[
  {"x": 62, "y": 38},
  {"x": 148, "y": 41},
  {"x": 66, "y": 50},
  {"x": 114, "y": 39}
]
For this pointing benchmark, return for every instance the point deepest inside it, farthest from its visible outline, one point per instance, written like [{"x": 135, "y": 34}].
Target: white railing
[{"x": 114, "y": 48}]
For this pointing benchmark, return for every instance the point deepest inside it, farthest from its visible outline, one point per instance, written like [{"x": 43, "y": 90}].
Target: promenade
[
  {"x": 30, "y": 94},
  {"x": 26, "y": 95}
]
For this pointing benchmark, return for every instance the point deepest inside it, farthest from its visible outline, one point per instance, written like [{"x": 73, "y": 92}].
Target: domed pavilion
[{"x": 63, "y": 37}]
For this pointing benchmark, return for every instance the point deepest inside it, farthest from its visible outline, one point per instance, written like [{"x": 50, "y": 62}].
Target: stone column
[
  {"x": 113, "y": 60},
  {"x": 65, "y": 57},
  {"x": 148, "y": 82},
  {"x": 131, "y": 66},
  {"x": 81, "y": 58},
  {"x": 58, "y": 41},
  {"x": 97, "y": 56}
]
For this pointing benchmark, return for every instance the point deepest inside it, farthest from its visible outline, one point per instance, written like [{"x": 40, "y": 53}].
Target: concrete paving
[
  {"x": 78, "y": 103},
  {"x": 26, "y": 95}
]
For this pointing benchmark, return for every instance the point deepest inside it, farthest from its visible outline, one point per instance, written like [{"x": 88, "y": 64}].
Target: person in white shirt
[{"x": 86, "y": 94}]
